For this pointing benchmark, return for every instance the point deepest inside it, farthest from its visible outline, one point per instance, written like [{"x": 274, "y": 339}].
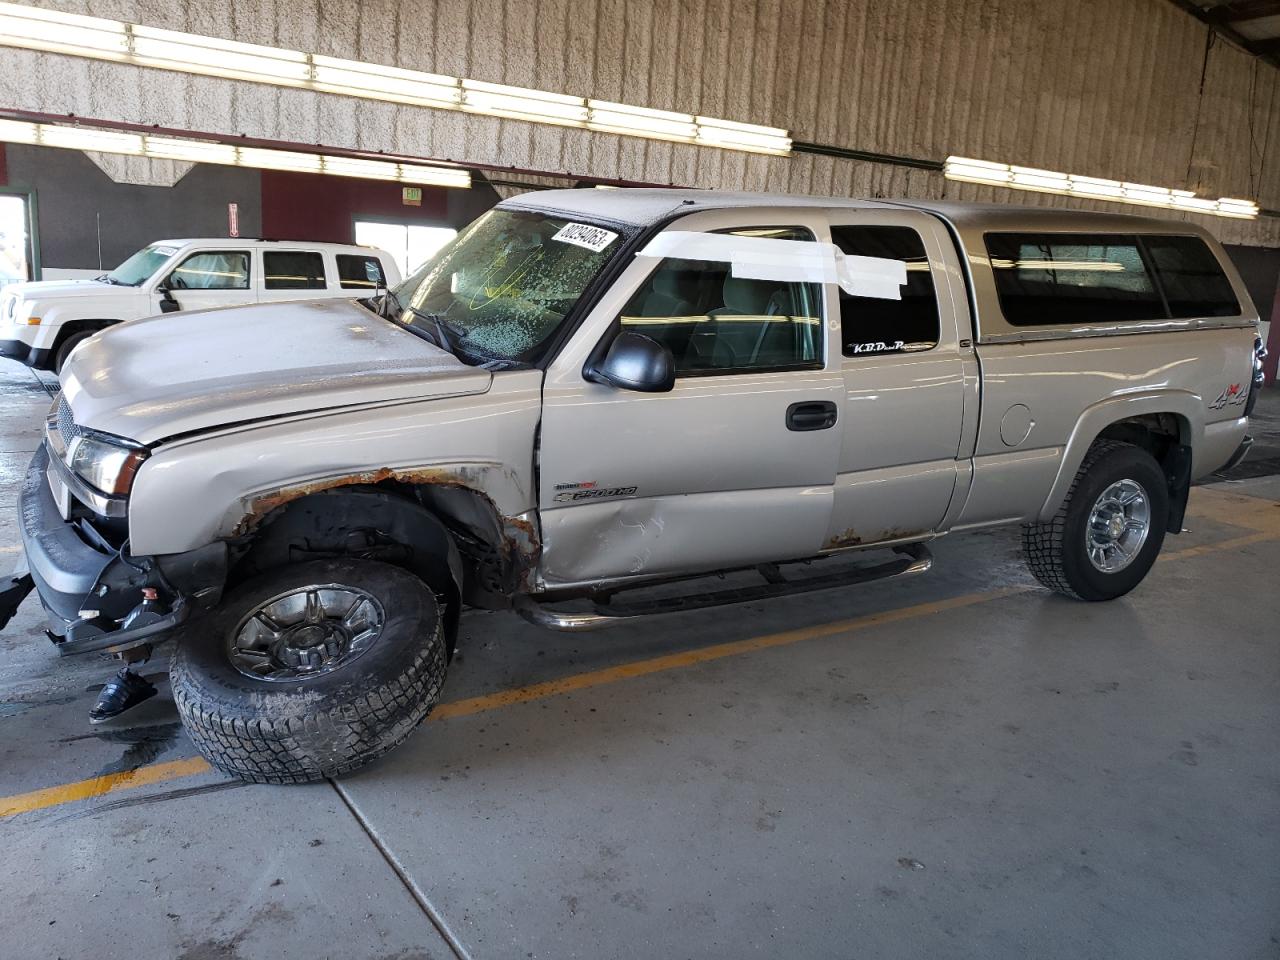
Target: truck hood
[
  {"x": 62, "y": 289},
  {"x": 163, "y": 376}
]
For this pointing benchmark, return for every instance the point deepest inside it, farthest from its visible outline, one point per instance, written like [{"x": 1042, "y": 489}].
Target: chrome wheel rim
[
  {"x": 1118, "y": 526},
  {"x": 306, "y": 632}
]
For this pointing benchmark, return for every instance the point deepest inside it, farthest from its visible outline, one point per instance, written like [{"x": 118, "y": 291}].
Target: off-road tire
[
  {"x": 1055, "y": 551},
  {"x": 308, "y": 729},
  {"x": 63, "y": 352}
]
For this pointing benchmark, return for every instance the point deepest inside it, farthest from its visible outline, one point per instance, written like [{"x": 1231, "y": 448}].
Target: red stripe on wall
[
  {"x": 308, "y": 206},
  {"x": 4, "y": 168}
]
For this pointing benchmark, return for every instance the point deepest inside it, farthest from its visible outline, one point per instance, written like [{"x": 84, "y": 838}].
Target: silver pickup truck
[{"x": 591, "y": 392}]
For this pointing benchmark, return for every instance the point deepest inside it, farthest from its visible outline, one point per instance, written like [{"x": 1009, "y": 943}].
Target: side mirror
[
  {"x": 635, "y": 362},
  {"x": 167, "y": 303}
]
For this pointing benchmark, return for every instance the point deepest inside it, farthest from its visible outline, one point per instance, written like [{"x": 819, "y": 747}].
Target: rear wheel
[
  {"x": 1109, "y": 529},
  {"x": 310, "y": 671}
]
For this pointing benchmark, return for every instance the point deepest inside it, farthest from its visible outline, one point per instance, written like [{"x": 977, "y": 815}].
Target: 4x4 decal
[{"x": 1232, "y": 396}]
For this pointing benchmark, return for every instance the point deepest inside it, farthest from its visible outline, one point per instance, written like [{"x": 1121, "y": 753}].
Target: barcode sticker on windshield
[{"x": 584, "y": 235}]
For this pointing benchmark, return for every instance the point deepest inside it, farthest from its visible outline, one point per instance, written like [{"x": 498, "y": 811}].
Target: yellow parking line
[
  {"x": 1260, "y": 537},
  {"x": 159, "y": 772},
  {"x": 98, "y": 786},
  {"x": 688, "y": 658},
  {"x": 155, "y": 773},
  {"x": 1228, "y": 506}
]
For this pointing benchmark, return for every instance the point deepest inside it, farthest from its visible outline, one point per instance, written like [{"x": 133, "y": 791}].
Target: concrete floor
[{"x": 961, "y": 765}]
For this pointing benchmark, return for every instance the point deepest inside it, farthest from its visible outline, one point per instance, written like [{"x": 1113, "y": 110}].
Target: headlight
[{"x": 106, "y": 466}]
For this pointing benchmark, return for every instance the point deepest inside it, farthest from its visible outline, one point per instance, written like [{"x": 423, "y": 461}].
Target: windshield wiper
[
  {"x": 453, "y": 339},
  {"x": 444, "y": 331}
]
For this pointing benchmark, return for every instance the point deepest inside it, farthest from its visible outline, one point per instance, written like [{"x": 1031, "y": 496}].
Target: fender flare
[
  {"x": 1181, "y": 403},
  {"x": 324, "y": 521}
]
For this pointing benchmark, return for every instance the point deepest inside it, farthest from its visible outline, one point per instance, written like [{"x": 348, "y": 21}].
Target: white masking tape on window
[
  {"x": 788, "y": 261},
  {"x": 870, "y": 276}
]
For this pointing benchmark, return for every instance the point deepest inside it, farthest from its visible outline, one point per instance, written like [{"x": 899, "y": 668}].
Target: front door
[
  {"x": 211, "y": 278},
  {"x": 909, "y": 377},
  {"x": 736, "y": 465}
]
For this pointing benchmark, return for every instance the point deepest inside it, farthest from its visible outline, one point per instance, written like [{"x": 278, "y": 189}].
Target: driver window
[
  {"x": 212, "y": 270},
  {"x": 716, "y": 323}
]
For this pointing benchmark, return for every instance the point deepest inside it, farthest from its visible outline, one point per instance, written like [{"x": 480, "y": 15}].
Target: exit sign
[{"x": 411, "y": 196}]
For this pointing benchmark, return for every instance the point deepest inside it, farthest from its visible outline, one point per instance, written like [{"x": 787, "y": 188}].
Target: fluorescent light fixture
[
  {"x": 977, "y": 171},
  {"x": 364, "y": 169},
  {"x": 194, "y": 151},
  {"x": 1014, "y": 177},
  {"x": 376, "y": 82},
  {"x": 389, "y": 170},
  {"x": 641, "y": 121},
  {"x": 91, "y": 138},
  {"x": 1097, "y": 187},
  {"x": 18, "y": 131},
  {"x": 191, "y": 53},
  {"x": 1196, "y": 203},
  {"x": 523, "y": 104},
  {"x": 434, "y": 176},
  {"x": 281, "y": 160},
  {"x": 36, "y": 28},
  {"x": 1245, "y": 209},
  {"x": 206, "y": 151},
  {"x": 1043, "y": 181},
  {"x": 743, "y": 136}
]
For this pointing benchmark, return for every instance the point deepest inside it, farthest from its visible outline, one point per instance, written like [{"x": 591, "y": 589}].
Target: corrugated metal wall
[{"x": 1130, "y": 89}]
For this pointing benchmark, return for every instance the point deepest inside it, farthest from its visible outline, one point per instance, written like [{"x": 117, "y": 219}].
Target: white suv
[{"x": 42, "y": 322}]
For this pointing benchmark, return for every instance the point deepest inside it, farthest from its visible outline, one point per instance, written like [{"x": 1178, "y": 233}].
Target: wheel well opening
[
  {"x": 381, "y": 522},
  {"x": 73, "y": 327},
  {"x": 1167, "y": 437}
]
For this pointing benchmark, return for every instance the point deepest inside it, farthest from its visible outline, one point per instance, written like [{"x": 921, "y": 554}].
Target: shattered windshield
[{"x": 502, "y": 287}]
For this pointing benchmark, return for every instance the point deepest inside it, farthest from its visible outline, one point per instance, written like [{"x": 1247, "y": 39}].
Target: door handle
[{"x": 811, "y": 415}]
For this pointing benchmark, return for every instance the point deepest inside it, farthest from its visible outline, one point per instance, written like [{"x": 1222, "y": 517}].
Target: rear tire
[
  {"x": 326, "y": 709},
  {"x": 1098, "y": 546}
]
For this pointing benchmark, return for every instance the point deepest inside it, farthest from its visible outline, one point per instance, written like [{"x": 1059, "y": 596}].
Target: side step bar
[{"x": 915, "y": 558}]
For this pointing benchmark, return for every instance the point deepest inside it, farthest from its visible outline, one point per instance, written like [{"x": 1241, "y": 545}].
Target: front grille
[{"x": 67, "y": 427}]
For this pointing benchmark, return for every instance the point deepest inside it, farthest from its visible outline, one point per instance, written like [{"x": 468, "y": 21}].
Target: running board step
[{"x": 915, "y": 558}]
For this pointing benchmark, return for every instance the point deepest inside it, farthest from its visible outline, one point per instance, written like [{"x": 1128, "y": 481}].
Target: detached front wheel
[
  {"x": 310, "y": 671},
  {"x": 1108, "y": 531}
]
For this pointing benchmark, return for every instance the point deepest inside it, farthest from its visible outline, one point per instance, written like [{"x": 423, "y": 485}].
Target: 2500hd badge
[{"x": 591, "y": 493}]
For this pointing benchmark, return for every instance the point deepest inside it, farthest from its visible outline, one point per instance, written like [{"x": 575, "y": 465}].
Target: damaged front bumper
[{"x": 96, "y": 595}]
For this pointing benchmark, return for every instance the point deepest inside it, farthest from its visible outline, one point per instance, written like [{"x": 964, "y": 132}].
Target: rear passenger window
[
  {"x": 1072, "y": 279},
  {"x": 359, "y": 273},
  {"x": 1191, "y": 277},
  {"x": 872, "y": 325},
  {"x": 713, "y": 322},
  {"x": 293, "y": 270}
]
